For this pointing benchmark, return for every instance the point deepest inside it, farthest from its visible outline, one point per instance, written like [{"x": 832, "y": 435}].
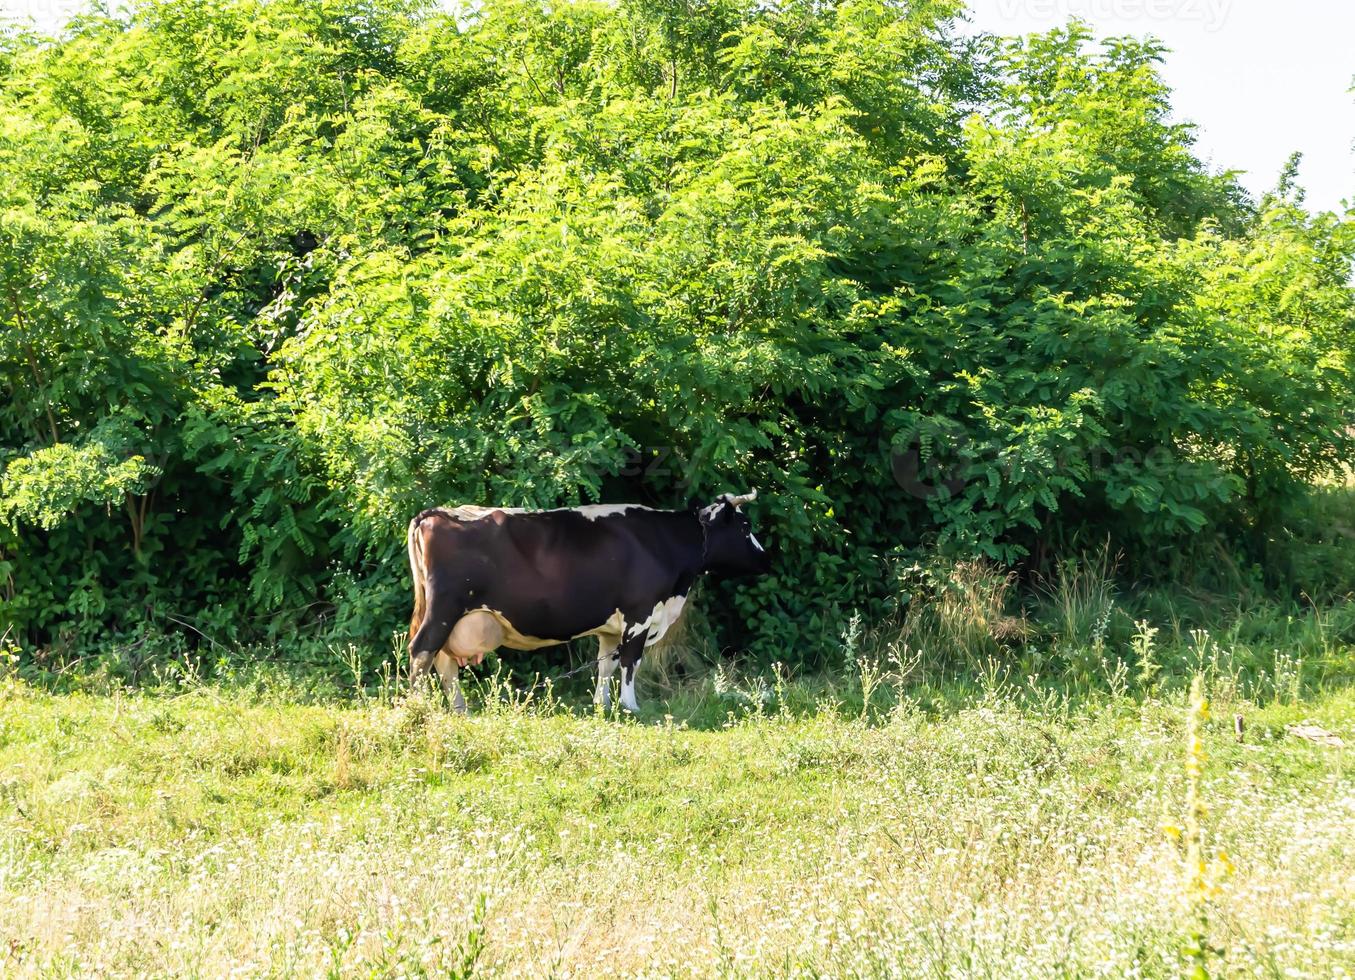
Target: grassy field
[{"x": 1008, "y": 832}]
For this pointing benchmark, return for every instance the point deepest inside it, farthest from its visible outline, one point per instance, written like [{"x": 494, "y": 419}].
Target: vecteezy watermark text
[
  {"x": 944, "y": 466},
  {"x": 1212, "y": 14},
  {"x": 45, "y": 15}
]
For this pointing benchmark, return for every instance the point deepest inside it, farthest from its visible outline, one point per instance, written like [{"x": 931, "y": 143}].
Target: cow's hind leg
[
  {"x": 440, "y": 616},
  {"x": 606, "y": 664},
  {"x": 450, "y": 674},
  {"x": 420, "y": 662}
]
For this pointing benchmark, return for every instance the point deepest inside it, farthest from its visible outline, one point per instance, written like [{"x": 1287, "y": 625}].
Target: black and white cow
[{"x": 486, "y": 577}]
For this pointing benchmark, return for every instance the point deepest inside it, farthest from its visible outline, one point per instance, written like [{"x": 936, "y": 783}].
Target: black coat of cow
[{"x": 488, "y": 577}]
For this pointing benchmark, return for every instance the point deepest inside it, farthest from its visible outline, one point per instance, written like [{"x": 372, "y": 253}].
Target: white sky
[{"x": 1261, "y": 78}]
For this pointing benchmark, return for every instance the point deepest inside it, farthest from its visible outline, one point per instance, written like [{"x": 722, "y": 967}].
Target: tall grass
[
  {"x": 963, "y": 610},
  {"x": 216, "y": 830},
  {"x": 1079, "y": 605}
]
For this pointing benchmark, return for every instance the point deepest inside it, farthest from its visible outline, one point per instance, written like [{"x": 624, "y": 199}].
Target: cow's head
[{"x": 731, "y": 548}]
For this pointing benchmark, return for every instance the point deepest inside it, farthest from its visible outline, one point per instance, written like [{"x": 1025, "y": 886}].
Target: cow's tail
[{"x": 420, "y": 577}]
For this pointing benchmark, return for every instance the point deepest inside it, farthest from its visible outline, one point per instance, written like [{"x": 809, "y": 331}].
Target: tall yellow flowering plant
[{"x": 1203, "y": 878}]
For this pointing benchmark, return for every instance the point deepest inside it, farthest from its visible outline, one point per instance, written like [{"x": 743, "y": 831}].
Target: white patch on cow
[
  {"x": 753, "y": 538},
  {"x": 471, "y": 512},
  {"x": 660, "y": 621},
  {"x": 594, "y": 511},
  {"x": 474, "y": 512},
  {"x": 628, "y": 688}
]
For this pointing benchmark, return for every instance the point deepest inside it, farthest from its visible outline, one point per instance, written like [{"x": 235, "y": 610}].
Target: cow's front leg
[
  {"x": 606, "y": 664},
  {"x": 450, "y": 674},
  {"x": 629, "y": 660}
]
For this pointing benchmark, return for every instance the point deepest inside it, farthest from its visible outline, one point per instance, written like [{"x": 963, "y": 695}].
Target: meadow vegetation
[
  {"x": 915, "y": 812},
  {"x": 878, "y": 825}
]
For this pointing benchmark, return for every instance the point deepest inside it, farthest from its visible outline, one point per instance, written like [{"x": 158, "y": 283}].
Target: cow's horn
[{"x": 741, "y": 499}]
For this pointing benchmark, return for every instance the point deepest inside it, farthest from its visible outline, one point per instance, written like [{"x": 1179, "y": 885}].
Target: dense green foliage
[{"x": 275, "y": 275}]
